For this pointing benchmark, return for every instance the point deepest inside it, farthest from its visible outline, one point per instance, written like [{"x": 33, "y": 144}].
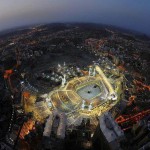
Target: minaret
[
  {"x": 63, "y": 81},
  {"x": 94, "y": 72},
  {"x": 90, "y": 106},
  {"x": 83, "y": 104},
  {"x": 90, "y": 71},
  {"x": 59, "y": 65}
]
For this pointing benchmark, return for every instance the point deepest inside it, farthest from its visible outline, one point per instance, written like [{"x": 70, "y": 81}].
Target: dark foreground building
[{"x": 108, "y": 134}]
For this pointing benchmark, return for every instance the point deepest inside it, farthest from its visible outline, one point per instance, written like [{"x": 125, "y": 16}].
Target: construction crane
[
  {"x": 8, "y": 73},
  {"x": 126, "y": 121}
]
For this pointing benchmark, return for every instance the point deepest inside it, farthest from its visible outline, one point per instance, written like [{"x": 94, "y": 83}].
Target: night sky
[{"x": 131, "y": 14}]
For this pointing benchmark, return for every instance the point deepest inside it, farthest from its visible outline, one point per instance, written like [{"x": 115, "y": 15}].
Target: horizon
[
  {"x": 125, "y": 14},
  {"x": 118, "y": 28}
]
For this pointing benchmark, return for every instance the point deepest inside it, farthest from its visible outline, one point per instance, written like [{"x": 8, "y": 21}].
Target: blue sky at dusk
[{"x": 132, "y": 14}]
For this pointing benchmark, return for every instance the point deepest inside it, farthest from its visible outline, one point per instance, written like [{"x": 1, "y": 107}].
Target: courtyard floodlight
[
  {"x": 22, "y": 82},
  {"x": 82, "y": 106},
  {"x": 78, "y": 69},
  {"x": 52, "y": 78},
  {"x": 49, "y": 104},
  {"x": 113, "y": 97},
  {"x": 47, "y": 99}
]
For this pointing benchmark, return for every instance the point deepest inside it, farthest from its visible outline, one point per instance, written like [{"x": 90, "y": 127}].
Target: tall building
[
  {"x": 54, "y": 131},
  {"x": 108, "y": 134},
  {"x": 141, "y": 134}
]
